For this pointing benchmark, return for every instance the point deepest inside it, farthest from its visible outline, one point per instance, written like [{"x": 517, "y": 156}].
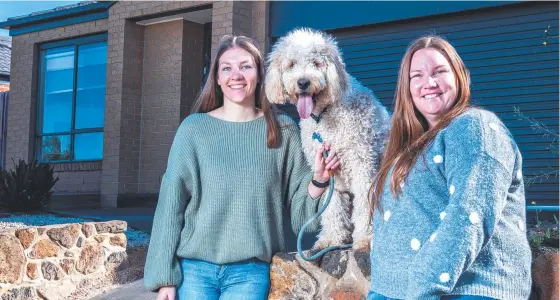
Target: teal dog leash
[{"x": 318, "y": 137}]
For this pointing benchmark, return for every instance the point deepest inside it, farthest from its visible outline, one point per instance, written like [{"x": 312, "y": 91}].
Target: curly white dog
[{"x": 305, "y": 68}]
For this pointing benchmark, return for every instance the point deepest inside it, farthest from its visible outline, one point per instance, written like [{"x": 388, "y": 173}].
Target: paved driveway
[{"x": 132, "y": 291}]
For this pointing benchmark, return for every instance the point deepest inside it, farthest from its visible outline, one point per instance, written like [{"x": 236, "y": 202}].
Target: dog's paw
[
  {"x": 362, "y": 245},
  {"x": 322, "y": 244}
]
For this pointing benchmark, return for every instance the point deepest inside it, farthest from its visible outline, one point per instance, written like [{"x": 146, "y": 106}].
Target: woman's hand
[
  {"x": 167, "y": 293},
  {"x": 325, "y": 166}
]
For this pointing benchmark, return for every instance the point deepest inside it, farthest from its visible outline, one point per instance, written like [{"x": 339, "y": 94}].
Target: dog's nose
[{"x": 303, "y": 83}]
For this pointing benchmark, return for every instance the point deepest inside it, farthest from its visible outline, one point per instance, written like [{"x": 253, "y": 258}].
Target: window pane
[
  {"x": 57, "y": 96},
  {"x": 55, "y": 147},
  {"x": 88, "y": 146},
  {"x": 59, "y": 69},
  {"x": 57, "y": 113},
  {"x": 90, "y": 94}
]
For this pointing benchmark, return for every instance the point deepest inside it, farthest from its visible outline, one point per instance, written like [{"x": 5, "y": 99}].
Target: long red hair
[{"x": 410, "y": 134}]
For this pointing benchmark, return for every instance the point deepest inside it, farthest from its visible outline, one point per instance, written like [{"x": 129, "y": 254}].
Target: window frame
[{"x": 75, "y": 42}]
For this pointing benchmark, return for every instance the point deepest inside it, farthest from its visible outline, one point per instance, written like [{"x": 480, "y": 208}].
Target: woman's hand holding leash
[{"x": 325, "y": 167}]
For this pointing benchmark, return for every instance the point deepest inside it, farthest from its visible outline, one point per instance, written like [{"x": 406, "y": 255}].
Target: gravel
[{"x": 134, "y": 237}]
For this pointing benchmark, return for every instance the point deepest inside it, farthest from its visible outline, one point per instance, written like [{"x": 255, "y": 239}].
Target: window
[{"x": 71, "y": 107}]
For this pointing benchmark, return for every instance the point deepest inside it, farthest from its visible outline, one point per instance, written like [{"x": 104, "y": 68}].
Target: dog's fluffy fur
[{"x": 355, "y": 123}]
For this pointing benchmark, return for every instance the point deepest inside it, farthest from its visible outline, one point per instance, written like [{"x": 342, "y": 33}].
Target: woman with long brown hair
[
  {"x": 448, "y": 203},
  {"x": 233, "y": 168}
]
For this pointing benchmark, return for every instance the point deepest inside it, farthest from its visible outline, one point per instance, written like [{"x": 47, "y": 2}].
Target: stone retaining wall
[
  {"x": 338, "y": 275},
  {"x": 345, "y": 275},
  {"x": 50, "y": 262}
]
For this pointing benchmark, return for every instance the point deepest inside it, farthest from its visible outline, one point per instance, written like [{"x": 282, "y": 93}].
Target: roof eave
[{"x": 26, "y": 21}]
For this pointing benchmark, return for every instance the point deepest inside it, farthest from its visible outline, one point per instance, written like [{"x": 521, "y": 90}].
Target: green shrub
[{"x": 28, "y": 187}]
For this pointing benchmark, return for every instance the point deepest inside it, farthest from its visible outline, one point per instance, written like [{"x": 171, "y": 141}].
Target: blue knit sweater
[
  {"x": 224, "y": 195},
  {"x": 458, "y": 227}
]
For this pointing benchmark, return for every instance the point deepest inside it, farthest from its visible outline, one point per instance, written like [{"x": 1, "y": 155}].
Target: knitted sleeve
[
  {"x": 296, "y": 176},
  {"x": 162, "y": 266},
  {"x": 478, "y": 165}
]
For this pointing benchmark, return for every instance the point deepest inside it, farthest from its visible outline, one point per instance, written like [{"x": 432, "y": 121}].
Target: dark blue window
[{"x": 71, "y": 107}]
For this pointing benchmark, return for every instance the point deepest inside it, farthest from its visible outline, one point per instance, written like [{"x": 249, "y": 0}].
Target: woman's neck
[{"x": 234, "y": 112}]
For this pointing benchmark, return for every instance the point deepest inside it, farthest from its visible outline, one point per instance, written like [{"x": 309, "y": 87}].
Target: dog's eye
[
  {"x": 289, "y": 65},
  {"x": 319, "y": 64}
]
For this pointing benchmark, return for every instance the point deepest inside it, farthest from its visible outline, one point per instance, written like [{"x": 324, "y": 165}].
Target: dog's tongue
[{"x": 305, "y": 105}]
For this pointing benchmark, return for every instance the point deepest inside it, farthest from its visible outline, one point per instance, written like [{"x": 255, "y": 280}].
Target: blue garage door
[{"x": 510, "y": 69}]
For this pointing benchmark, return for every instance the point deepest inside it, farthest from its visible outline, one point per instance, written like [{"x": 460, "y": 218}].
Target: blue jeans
[
  {"x": 375, "y": 296},
  {"x": 247, "y": 280}
]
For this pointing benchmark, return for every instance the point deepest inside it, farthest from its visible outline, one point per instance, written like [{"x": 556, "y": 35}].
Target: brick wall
[
  {"x": 122, "y": 110},
  {"x": 79, "y": 178},
  {"x": 260, "y": 24},
  {"x": 234, "y": 18},
  {"x": 79, "y": 182},
  {"x": 192, "y": 60},
  {"x": 161, "y": 99},
  {"x": 172, "y": 76}
]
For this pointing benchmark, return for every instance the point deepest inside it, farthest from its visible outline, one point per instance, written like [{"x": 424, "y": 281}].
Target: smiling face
[
  {"x": 433, "y": 85},
  {"x": 237, "y": 76}
]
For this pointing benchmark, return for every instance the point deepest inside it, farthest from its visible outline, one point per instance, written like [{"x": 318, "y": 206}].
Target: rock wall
[
  {"x": 345, "y": 275},
  {"x": 338, "y": 275},
  {"x": 50, "y": 262}
]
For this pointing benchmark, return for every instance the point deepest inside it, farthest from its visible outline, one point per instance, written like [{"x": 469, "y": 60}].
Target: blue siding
[
  {"x": 510, "y": 67},
  {"x": 326, "y": 15}
]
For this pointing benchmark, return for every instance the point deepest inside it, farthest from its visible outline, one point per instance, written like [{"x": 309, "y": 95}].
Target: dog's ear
[
  {"x": 273, "y": 86},
  {"x": 337, "y": 77}
]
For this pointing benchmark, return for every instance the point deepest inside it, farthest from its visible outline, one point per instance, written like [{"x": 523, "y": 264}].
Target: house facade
[{"x": 99, "y": 88}]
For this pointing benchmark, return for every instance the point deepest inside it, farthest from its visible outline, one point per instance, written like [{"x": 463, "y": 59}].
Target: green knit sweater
[{"x": 224, "y": 193}]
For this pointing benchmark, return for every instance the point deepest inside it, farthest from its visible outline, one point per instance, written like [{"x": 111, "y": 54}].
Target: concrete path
[{"x": 132, "y": 291}]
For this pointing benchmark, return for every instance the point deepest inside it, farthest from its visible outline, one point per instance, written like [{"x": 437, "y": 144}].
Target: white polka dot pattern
[
  {"x": 415, "y": 244},
  {"x": 444, "y": 277},
  {"x": 451, "y": 189},
  {"x": 387, "y": 215},
  {"x": 438, "y": 159},
  {"x": 442, "y": 215},
  {"x": 474, "y": 218}
]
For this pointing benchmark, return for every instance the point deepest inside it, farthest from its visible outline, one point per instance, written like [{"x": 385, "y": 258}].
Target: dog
[{"x": 305, "y": 68}]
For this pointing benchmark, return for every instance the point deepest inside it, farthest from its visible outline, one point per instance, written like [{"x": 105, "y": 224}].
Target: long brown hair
[
  {"x": 211, "y": 96},
  {"x": 410, "y": 133}
]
